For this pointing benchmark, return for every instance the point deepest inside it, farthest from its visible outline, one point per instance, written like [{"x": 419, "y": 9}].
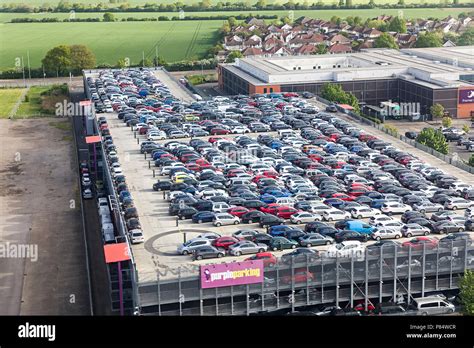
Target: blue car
[
  {"x": 267, "y": 198},
  {"x": 203, "y": 216},
  {"x": 123, "y": 195},
  {"x": 157, "y": 155},
  {"x": 281, "y": 230},
  {"x": 335, "y": 202},
  {"x": 377, "y": 203}
]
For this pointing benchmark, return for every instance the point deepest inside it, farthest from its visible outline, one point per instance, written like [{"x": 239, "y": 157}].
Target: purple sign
[
  {"x": 234, "y": 273},
  {"x": 466, "y": 96}
]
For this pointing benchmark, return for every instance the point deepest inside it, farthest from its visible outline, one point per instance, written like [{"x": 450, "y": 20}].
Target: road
[{"x": 176, "y": 90}]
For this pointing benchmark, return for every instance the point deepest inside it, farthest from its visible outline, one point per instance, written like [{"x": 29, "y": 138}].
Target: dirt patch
[{"x": 38, "y": 180}]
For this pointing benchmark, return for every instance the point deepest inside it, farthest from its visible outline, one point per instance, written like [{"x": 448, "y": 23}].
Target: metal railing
[{"x": 371, "y": 276}]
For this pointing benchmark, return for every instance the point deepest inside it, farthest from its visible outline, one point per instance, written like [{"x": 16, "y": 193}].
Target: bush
[
  {"x": 447, "y": 121},
  {"x": 391, "y": 129},
  {"x": 434, "y": 139},
  {"x": 471, "y": 161}
]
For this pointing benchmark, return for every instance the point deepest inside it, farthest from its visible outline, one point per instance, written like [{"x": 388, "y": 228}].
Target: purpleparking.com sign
[
  {"x": 234, "y": 273},
  {"x": 466, "y": 96}
]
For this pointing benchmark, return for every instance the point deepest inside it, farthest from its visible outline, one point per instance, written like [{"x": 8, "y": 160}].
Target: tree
[
  {"x": 401, "y": 2},
  {"x": 321, "y": 49},
  {"x": 385, "y": 40},
  {"x": 261, "y": 4},
  {"x": 372, "y": 4},
  {"x": 232, "y": 21},
  {"x": 57, "y": 59},
  {"x": 437, "y": 111},
  {"x": 109, "y": 17},
  {"x": 147, "y": 62},
  {"x": 357, "y": 20},
  {"x": 466, "y": 291},
  {"x": 335, "y": 93},
  {"x": 429, "y": 40},
  {"x": 447, "y": 121},
  {"x": 466, "y": 38},
  {"x": 233, "y": 56},
  {"x": 335, "y": 20},
  {"x": 159, "y": 61},
  {"x": 471, "y": 161},
  {"x": 349, "y": 3},
  {"x": 434, "y": 139},
  {"x": 466, "y": 128},
  {"x": 122, "y": 63},
  {"x": 341, "y": 3},
  {"x": 398, "y": 25},
  {"x": 81, "y": 58}
]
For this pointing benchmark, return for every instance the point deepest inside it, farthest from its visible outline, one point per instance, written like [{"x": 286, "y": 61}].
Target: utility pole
[
  {"x": 29, "y": 67},
  {"x": 143, "y": 59},
  {"x": 23, "y": 69},
  {"x": 156, "y": 56}
]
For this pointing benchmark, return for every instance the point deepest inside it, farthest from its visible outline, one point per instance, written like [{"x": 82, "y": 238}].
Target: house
[
  {"x": 286, "y": 27},
  {"x": 278, "y": 51},
  {"x": 252, "y": 51},
  {"x": 449, "y": 43},
  {"x": 338, "y": 39},
  {"x": 305, "y": 50},
  {"x": 254, "y": 21},
  {"x": 339, "y": 48},
  {"x": 271, "y": 43},
  {"x": 371, "y": 33},
  {"x": 403, "y": 39}
]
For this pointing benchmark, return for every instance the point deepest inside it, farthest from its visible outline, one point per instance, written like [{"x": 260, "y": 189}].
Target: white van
[
  {"x": 104, "y": 210},
  {"x": 108, "y": 233},
  {"x": 286, "y": 201},
  {"x": 432, "y": 305},
  {"x": 105, "y": 219},
  {"x": 220, "y": 207}
]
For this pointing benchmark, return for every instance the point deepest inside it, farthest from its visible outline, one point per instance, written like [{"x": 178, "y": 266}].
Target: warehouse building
[{"x": 424, "y": 76}]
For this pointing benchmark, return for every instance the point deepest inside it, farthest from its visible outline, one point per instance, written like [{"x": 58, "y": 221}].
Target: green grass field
[
  {"x": 32, "y": 107},
  {"x": 176, "y": 40},
  {"x": 109, "y": 41},
  {"x": 8, "y": 99}
]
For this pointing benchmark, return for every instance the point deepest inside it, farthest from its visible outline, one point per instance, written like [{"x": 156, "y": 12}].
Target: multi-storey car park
[
  {"x": 302, "y": 161},
  {"x": 424, "y": 76}
]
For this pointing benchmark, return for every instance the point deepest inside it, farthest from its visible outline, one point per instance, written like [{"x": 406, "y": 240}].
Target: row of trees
[{"x": 207, "y": 5}]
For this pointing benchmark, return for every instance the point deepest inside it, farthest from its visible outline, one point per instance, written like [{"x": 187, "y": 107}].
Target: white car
[
  {"x": 136, "y": 236},
  {"x": 86, "y": 181},
  {"x": 336, "y": 214},
  {"x": 222, "y": 219},
  {"x": 427, "y": 206},
  {"x": 457, "y": 203},
  {"x": 374, "y": 220},
  {"x": 304, "y": 217},
  {"x": 240, "y": 130},
  {"x": 220, "y": 207},
  {"x": 410, "y": 230},
  {"x": 209, "y": 235},
  {"x": 386, "y": 233},
  {"x": 390, "y": 208},
  {"x": 156, "y": 136},
  {"x": 192, "y": 244},
  {"x": 395, "y": 224},
  {"x": 87, "y": 194},
  {"x": 364, "y": 212},
  {"x": 460, "y": 186},
  {"x": 349, "y": 248}
]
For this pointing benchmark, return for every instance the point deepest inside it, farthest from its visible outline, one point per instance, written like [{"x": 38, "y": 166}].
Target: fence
[
  {"x": 375, "y": 276},
  {"x": 445, "y": 158}
]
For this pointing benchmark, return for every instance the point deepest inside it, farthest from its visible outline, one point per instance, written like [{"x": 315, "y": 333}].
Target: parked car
[
  {"x": 246, "y": 247},
  {"x": 410, "y": 230},
  {"x": 222, "y": 219},
  {"x": 224, "y": 242},
  {"x": 280, "y": 243},
  {"x": 418, "y": 243},
  {"x": 192, "y": 244},
  {"x": 300, "y": 255},
  {"x": 207, "y": 252},
  {"x": 269, "y": 260},
  {"x": 304, "y": 217},
  {"x": 314, "y": 239},
  {"x": 386, "y": 233}
]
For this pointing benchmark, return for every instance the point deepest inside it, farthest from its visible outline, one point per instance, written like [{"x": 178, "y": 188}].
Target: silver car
[
  {"x": 425, "y": 207},
  {"x": 410, "y": 230},
  {"x": 246, "y": 247}
]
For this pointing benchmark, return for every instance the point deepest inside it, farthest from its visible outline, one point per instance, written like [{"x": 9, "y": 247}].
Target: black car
[
  {"x": 350, "y": 235},
  {"x": 186, "y": 213},
  {"x": 469, "y": 225},
  {"x": 270, "y": 220},
  {"x": 203, "y": 205},
  {"x": 411, "y": 135},
  {"x": 133, "y": 224},
  {"x": 130, "y": 213},
  {"x": 388, "y": 308},
  {"x": 300, "y": 255},
  {"x": 307, "y": 95},
  {"x": 314, "y": 226},
  {"x": 446, "y": 226},
  {"x": 295, "y": 235},
  {"x": 262, "y": 238},
  {"x": 422, "y": 222},
  {"x": 162, "y": 185},
  {"x": 456, "y": 237},
  {"x": 328, "y": 231},
  {"x": 331, "y": 108},
  {"x": 252, "y": 216},
  {"x": 387, "y": 246},
  {"x": 207, "y": 252},
  {"x": 411, "y": 214}
]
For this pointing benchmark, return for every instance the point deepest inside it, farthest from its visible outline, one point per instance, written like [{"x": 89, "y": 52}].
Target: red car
[
  {"x": 238, "y": 211},
  {"x": 300, "y": 276},
  {"x": 286, "y": 212},
  {"x": 272, "y": 208},
  {"x": 269, "y": 260},
  {"x": 315, "y": 157},
  {"x": 224, "y": 242},
  {"x": 193, "y": 166},
  {"x": 418, "y": 242},
  {"x": 270, "y": 174},
  {"x": 343, "y": 197},
  {"x": 290, "y": 94},
  {"x": 219, "y": 131},
  {"x": 213, "y": 139},
  {"x": 361, "y": 307}
]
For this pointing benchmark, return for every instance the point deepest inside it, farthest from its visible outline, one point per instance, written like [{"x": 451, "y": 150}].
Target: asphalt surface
[{"x": 98, "y": 271}]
